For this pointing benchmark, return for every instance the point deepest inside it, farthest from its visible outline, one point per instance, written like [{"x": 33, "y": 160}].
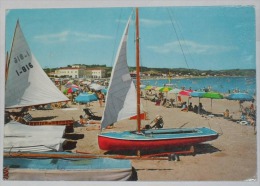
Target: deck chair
[
  {"x": 27, "y": 117},
  {"x": 159, "y": 123},
  {"x": 91, "y": 115}
]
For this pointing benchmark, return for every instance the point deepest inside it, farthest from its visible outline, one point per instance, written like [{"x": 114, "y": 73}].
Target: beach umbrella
[
  {"x": 70, "y": 90},
  {"x": 85, "y": 98},
  {"x": 86, "y": 82},
  {"x": 70, "y": 85},
  {"x": 165, "y": 89},
  {"x": 96, "y": 86},
  {"x": 174, "y": 91},
  {"x": 212, "y": 95},
  {"x": 197, "y": 95},
  {"x": 240, "y": 97},
  {"x": 184, "y": 93},
  {"x": 104, "y": 91},
  {"x": 148, "y": 87}
]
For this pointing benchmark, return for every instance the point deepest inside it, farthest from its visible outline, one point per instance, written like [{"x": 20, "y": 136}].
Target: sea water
[{"x": 223, "y": 85}]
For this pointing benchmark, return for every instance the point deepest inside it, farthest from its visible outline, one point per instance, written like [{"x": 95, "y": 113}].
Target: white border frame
[{"x": 37, "y": 4}]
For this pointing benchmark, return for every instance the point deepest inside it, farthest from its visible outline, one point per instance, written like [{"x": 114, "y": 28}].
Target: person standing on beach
[{"x": 100, "y": 98}]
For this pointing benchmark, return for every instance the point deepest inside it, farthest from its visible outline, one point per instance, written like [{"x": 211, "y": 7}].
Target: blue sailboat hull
[{"x": 67, "y": 169}]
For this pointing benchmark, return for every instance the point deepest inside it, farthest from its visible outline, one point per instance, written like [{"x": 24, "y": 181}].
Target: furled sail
[
  {"x": 27, "y": 84},
  {"x": 121, "y": 95}
]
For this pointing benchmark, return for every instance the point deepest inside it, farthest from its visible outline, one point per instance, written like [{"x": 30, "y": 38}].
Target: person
[
  {"x": 190, "y": 107},
  {"x": 195, "y": 109},
  {"x": 251, "y": 120},
  {"x": 226, "y": 114},
  {"x": 156, "y": 123},
  {"x": 83, "y": 122},
  {"x": 201, "y": 109},
  {"x": 184, "y": 106},
  {"x": 100, "y": 98}
]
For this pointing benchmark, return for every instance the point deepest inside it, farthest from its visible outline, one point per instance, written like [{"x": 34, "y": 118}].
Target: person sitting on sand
[
  {"x": 190, "y": 107},
  {"x": 201, "y": 109},
  {"x": 226, "y": 114},
  {"x": 184, "y": 107},
  {"x": 195, "y": 109}
]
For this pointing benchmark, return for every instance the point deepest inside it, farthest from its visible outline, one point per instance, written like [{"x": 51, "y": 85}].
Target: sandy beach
[{"x": 231, "y": 157}]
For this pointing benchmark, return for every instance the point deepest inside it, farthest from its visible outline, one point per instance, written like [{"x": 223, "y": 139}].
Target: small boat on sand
[
  {"x": 66, "y": 169},
  {"x": 123, "y": 101}
]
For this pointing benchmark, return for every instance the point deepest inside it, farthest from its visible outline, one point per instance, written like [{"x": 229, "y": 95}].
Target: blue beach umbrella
[
  {"x": 85, "y": 98},
  {"x": 197, "y": 95},
  {"x": 104, "y": 91},
  {"x": 240, "y": 97}
]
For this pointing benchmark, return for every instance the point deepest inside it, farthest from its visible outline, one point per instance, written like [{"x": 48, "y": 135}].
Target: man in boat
[{"x": 157, "y": 123}]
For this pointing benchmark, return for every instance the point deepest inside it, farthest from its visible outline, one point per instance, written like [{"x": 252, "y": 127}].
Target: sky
[{"x": 204, "y": 38}]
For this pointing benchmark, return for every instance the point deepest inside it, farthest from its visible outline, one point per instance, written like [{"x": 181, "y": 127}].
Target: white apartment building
[
  {"x": 70, "y": 72},
  {"x": 98, "y": 73}
]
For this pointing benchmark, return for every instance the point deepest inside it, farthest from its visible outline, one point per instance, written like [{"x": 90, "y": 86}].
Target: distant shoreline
[{"x": 194, "y": 77}]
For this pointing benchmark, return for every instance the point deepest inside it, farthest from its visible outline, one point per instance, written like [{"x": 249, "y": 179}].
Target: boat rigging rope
[
  {"x": 221, "y": 133},
  {"x": 116, "y": 34},
  {"x": 174, "y": 28}
]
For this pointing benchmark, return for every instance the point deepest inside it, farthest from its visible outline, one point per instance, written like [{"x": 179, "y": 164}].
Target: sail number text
[
  {"x": 21, "y": 57},
  {"x": 24, "y": 69}
]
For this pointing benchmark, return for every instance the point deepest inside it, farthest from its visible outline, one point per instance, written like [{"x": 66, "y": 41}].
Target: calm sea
[{"x": 219, "y": 84}]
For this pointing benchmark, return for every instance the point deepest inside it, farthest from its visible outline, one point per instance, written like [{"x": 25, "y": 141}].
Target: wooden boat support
[{"x": 68, "y": 123}]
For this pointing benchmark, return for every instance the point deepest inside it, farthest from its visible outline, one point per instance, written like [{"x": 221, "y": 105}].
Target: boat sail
[
  {"x": 27, "y": 84},
  {"x": 148, "y": 139},
  {"x": 121, "y": 91}
]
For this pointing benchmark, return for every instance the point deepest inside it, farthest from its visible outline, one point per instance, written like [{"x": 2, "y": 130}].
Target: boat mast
[
  {"x": 6, "y": 66},
  {"x": 138, "y": 71}
]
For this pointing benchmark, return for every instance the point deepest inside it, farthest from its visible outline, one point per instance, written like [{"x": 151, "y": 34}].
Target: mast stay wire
[
  {"x": 115, "y": 40},
  {"x": 178, "y": 38}
]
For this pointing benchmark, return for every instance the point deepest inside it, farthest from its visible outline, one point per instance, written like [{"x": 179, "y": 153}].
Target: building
[
  {"x": 98, "y": 73},
  {"x": 72, "y": 72}
]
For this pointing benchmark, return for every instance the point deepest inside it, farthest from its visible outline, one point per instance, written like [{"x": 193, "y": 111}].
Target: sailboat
[
  {"x": 123, "y": 101},
  {"x": 29, "y": 149},
  {"x": 26, "y": 83}
]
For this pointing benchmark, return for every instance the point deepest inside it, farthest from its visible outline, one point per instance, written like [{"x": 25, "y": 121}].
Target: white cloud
[
  {"x": 66, "y": 35},
  {"x": 191, "y": 47}
]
